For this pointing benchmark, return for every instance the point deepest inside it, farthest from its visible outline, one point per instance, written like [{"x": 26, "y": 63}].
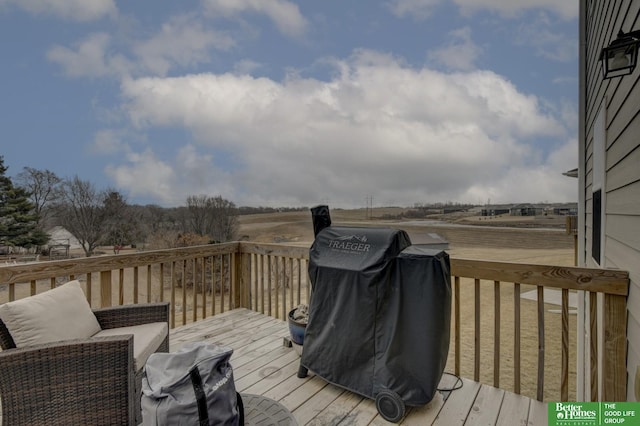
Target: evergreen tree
[{"x": 18, "y": 220}]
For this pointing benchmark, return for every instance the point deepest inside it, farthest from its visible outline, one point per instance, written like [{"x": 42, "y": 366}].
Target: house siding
[{"x": 620, "y": 97}]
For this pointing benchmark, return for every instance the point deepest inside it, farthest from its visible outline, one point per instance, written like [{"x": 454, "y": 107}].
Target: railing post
[
  {"x": 105, "y": 289},
  {"x": 241, "y": 279},
  {"x": 615, "y": 348}
]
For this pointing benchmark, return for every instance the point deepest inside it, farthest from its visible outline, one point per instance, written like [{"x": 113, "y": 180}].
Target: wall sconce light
[{"x": 621, "y": 56}]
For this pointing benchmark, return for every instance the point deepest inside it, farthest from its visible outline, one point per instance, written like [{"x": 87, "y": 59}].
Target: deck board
[
  {"x": 361, "y": 415},
  {"x": 538, "y": 413},
  {"x": 338, "y": 410},
  {"x": 264, "y": 366},
  {"x": 486, "y": 406},
  {"x": 317, "y": 403},
  {"x": 458, "y": 404},
  {"x": 514, "y": 410}
]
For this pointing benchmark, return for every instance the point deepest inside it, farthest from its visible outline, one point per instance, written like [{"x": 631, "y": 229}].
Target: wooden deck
[{"x": 262, "y": 365}]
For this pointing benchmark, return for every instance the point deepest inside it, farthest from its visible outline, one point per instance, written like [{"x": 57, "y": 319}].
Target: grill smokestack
[{"x": 321, "y": 218}]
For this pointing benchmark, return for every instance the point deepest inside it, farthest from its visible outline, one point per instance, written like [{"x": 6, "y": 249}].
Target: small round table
[{"x": 263, "y": 411}]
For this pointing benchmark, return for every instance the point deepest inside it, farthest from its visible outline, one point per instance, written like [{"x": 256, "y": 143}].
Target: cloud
[
  {"x": 376, "y": 128},
  {"x": 417, "y": 9},
  {"x": 183, "y": 42},
  {"x": 565, "y": 80},
  {"x": 246, "y": 66},
  {"x": 423, "y": 9},
  {"x": 284, "y": 14},
  {"x": 108, "y": 141},
  {"x": 539, "y": 34},
  {"x": 144, "y": 175},
  {"x": 89, "y": 58},
  {"x": 460, "y": 53},
  {"x": 563, "y": 8},
  {"x": 78, "y": 10},
  {"x": 541, "y": 182}
]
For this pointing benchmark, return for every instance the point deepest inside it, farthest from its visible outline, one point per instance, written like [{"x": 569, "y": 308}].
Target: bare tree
[
  {"x": 81, "y": 211},
  {"x": 212, "y": 216},
  {"x": 224, "y": 219},
  {"x": 154, "y": 218},
  {"x": 199, "y": 217},
  {"x": 44, "y": 187}
]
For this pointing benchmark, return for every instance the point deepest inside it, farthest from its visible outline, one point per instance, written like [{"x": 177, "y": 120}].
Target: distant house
[
  {"x": 526, "y": 210},
  {"x": 530, "y": 209},
  {"x": 568, "y": 209},
  {"x": 59, "y": 236},
  {"x": 495, "y": 210},
  {"x": 608, "y": 173}
]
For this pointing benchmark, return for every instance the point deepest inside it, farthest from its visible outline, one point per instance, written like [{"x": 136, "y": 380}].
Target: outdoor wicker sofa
[{"x": 91, "y": 381}]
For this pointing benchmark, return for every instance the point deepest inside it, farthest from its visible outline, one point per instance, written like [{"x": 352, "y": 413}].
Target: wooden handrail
[
  {"x": 43, "y": 270},
  {"x": 606, "y": 281}
]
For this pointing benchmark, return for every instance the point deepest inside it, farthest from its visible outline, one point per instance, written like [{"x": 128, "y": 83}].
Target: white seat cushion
[
  {"x": 146, "y": 339},
  {"x": 62, "y": 313}
]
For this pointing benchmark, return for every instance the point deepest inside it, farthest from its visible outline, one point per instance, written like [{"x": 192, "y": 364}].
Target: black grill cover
[{"x": 380, "y": 312}]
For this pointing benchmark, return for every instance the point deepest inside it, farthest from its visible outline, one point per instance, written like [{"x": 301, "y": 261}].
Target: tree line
[{"x": 38, "y": 200}]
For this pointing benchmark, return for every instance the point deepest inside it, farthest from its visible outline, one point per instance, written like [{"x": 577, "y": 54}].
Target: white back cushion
[{"x": 62, "y": 313}]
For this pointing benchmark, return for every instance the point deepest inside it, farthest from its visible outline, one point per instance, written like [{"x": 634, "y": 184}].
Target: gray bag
[{"x": 193, "y": 386}]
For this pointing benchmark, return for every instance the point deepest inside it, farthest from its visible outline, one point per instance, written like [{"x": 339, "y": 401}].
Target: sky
[{"x": 295, "y": 103}]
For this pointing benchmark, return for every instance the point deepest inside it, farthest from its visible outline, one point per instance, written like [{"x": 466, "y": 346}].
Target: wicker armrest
[
  {"x": 128, "y": 315},
  {"x": 70, "y": 382}
]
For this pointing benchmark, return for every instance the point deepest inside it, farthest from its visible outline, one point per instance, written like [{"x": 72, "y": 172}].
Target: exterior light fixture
[{"x": 621, "y": 56}]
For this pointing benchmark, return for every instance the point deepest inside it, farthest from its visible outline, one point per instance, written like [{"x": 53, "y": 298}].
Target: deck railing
[
  {"x": 496, "y": 277},
  {"x": 488, "y": 315}
]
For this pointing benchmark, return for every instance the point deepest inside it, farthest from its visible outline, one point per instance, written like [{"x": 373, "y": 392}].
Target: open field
[{"x": 462, "y": 232}]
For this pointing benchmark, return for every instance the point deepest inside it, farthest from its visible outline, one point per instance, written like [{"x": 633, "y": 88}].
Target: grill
[{"x": 379, "y": 316}]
